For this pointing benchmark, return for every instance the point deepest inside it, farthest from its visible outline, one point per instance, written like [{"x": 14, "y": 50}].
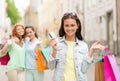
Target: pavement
[
  {"x": 2, "y": 73},
  {"x": 49, "y": 73}
]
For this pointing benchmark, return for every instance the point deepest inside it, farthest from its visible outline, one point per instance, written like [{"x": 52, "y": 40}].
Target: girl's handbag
[
  {"x": 111, "y": 69},
  {"x": 42, "y": 63},
  {"x": 5, "y": 57}
]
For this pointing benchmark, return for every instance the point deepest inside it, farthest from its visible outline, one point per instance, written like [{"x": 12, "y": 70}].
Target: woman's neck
[
  {"x": 20, "y": 38},
  {"x": 33, "y": 39},
  {"x": 70, "y": 38}
]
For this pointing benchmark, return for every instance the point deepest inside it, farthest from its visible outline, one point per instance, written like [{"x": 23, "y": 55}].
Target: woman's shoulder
[
  {"x": 15, "y": 39},
  {"x": 82, "y": 42},
  {"x": 61, "y": 38},
  {"x": 27, "y": 41}
]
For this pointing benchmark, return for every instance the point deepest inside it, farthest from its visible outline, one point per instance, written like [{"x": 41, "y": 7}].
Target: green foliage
[{"x": 13, "y": 12}]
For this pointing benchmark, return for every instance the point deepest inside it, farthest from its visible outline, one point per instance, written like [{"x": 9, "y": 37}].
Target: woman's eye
[
  {"x": 27, "y": 32},
  {"x": 72, "y": 25},
  {"x": 66, "y": 25}
]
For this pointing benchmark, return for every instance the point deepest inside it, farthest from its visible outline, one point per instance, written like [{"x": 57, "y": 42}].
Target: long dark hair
[
  {"x": 29, "y": 26},
  {"x": 72, "y": 16}
]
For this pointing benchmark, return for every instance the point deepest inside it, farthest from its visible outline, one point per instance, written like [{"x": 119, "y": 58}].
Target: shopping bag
[
  {"x": 99, "y": 71},
  {"x": 42, "y": 63},
  {"x": 5, "y": 57},
  {"x": 46, "y": 53},
  {"x": 111, "y": 69}
]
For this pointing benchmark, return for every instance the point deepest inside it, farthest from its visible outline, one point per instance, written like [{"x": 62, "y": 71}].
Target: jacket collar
[{"x": 62, "y": 39}]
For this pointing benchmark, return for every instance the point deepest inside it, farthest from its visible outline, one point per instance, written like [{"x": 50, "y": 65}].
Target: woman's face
[
  {"x": 70, "y": 27},
  {"x": 20, "y": 30},
  {"x": 30, "y": 33}
]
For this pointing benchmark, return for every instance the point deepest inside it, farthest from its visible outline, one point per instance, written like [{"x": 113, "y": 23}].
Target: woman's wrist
[
  {"x": 54, "y": 49},
  {"x": 91, "y": 49},
  {"x": 91, "y": 52},
  {"x": 54, "y": 53},
  {"x": 7, "y": 45}
]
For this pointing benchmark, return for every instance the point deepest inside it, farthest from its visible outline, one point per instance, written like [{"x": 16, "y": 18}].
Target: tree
[{"x": 13, "y": 12}]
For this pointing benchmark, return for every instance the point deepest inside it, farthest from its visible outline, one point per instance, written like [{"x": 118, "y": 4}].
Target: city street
[
  {"x": 94, "y": 20},
  {"x": 49, "y": 74}
]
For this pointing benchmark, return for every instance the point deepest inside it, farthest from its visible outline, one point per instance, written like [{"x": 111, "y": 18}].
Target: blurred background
[{"x": 100, "y": 18}]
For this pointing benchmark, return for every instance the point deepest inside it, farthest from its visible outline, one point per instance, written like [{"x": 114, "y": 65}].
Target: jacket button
[
  {"x": 75, "y": 58},
  {"x": 76, "y": 66}
]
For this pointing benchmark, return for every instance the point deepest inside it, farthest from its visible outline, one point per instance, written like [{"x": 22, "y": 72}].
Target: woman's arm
[
  {"x": 53, "y": 44},
  {"x": 52, "y": 60},
  {"x": 6, "y": 47},
  {"x": 89, "y": 58}
]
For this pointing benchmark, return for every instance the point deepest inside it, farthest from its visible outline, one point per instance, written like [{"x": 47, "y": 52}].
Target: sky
[{"x": 21, "y": 4}]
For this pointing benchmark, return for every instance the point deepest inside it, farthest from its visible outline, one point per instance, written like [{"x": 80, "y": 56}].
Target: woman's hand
[
  {"x": 9, "y": 42},
  {"x": 6, "y": 47},
  {"x": 96, "y": 46},
  {"x": 53, "y": 44}
]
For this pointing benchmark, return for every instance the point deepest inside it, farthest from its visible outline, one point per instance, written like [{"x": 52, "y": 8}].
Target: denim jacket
[{"x": 81, "y": 60}]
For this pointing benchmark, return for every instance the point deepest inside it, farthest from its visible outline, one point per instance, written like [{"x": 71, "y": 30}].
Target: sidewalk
[{"x": 2, "y": 73}]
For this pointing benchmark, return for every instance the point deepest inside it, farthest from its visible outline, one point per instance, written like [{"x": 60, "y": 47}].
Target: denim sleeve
[
  {"x": 86, "y": 63},
  {"x": 52, "y": 62}
]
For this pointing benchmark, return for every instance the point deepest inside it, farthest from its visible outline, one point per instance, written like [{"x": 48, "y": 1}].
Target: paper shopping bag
[
  {"x": 99, "y": 71},
  {"x": 111, "y": 69},
  {"x": 42, "y": 63},
  {"x": 46, "y": 52}
]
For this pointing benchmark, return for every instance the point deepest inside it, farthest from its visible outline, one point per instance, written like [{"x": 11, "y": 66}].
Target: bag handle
[{"x": 106, "y": 51}]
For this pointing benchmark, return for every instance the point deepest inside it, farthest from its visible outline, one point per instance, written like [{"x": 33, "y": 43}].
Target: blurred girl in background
[
  {"x": 31, "y": 42},
  {"x": 16, "y": 49}
]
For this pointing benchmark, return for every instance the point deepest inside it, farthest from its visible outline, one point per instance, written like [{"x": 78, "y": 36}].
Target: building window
[{"x": 99, "y": 19}]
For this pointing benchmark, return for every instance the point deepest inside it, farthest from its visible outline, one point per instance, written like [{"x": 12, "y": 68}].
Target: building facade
[
  {"x": 5, "y": 23},
  {"x": 45, "y": 15},
  {"x": 32, "y": 13},
  {"x": 101, "y": 22},
  {"x": 118, "y": 23}
]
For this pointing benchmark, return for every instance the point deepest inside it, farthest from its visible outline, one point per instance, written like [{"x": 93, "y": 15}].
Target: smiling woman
[
  {"x": 16, "y": 49},
  {"x": 72, "y": 60},
  {"x": 25, "y": 4}
]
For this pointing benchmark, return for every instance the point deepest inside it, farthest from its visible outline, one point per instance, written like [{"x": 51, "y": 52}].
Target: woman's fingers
[
  {"x": 97, "y": 42},
  {"x": 53, "y": 43},
  {"x": 97, "y": 45}
]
